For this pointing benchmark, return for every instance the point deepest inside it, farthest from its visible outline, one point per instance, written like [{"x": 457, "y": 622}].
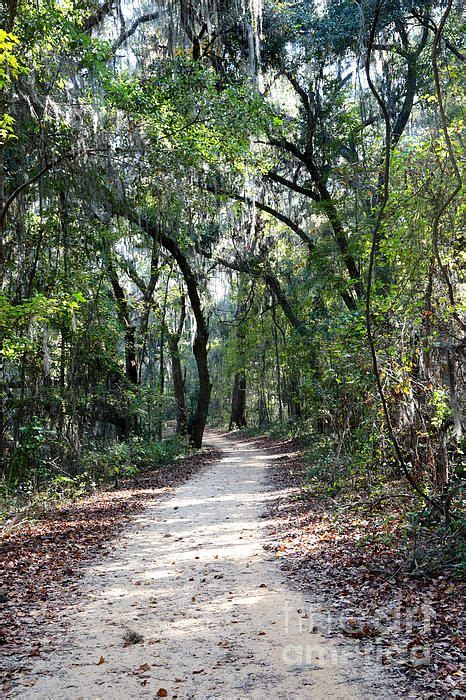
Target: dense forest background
[{"x": 238, "y": 212}]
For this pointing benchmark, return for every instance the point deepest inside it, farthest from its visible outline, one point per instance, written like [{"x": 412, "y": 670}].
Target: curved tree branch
[
  {"x": 268, "y": 210},
  {"x": 27, "y": 183},
  {"x": 346, "y": 296},
  {"x": 274, "y": 285},
  {"x": 306, "y": 191},
  {"x": 201, "y": 339},
  {"x": 127, "y": 33}
]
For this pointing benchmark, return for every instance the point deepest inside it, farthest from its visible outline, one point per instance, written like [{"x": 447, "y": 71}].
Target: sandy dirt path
[{"x": 217, "y": 616}]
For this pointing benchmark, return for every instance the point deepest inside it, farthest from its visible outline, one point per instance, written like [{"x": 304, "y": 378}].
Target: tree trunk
[
  {"x": 163, "y": 328},
  {"x": 238, "y": 401},
  {"x": 199, "y": 418},
  {"x": 178, "y": 386},
  {"x": 293, "y": 397},
  {"x": 131, "y": 363},
  {"x": 177, "y": 372},
  {"x": 263, "y": 411},
  {"x": 262, "y": 408},
  {"x": 277, "y": 363},
  {"x": 238, "y": 397}
]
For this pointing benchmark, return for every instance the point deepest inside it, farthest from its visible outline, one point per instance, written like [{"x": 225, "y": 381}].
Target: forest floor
[
  {"x": 352, "y": 554},
  {"x": 186, "y": 601},
  {"x": 44, "y": 553}
]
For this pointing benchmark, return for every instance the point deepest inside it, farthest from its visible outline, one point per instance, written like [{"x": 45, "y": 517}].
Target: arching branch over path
[{"x": 155, "y": 231}]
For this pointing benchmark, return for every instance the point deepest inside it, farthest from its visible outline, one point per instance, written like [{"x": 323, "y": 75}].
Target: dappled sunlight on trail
[{"x": 209, "y": 611}]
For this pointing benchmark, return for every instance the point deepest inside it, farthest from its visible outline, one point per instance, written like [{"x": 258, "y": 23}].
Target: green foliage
[
  {"x": 11, "y": 67},
  {"x": 125, "y": 459},
  {"x": 168, "y": 136},
  {"x": 186, "y": 117},
  {"x": 37, "y": 478},
  {"x": 33, "y": 461}
]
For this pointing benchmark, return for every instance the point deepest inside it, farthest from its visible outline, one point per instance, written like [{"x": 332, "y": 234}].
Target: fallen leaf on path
[
  {"x": 360, "y": 631},
  {"x": 100, "y": 661},
  {"x": 142, "y": 668}
]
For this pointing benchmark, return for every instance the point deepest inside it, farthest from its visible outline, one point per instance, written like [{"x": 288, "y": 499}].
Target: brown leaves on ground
[
  {"x": 355, "y": 559},
  {"x": 143, "y": 668},
  {"x": 42, "y": 559}
]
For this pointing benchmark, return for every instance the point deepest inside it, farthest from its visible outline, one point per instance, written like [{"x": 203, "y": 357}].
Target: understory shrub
[
  {"x": 42, "y": 486},
  {"x": 124, "y": 459}
]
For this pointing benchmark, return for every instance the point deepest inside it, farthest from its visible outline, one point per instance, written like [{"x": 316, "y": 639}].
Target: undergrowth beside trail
[
  {"x": 45, "y": 553},
  {"x": 344, "y": 484},
  {"x": 52, "y": 484},
  {"x": 388, "y": 572}
]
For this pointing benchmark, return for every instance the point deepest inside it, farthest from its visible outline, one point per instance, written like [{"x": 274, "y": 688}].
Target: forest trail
[{"x": 217, "y": 616}]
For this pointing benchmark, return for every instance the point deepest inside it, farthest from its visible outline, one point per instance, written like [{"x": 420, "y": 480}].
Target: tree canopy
[{"x": 243, "y": 211}]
